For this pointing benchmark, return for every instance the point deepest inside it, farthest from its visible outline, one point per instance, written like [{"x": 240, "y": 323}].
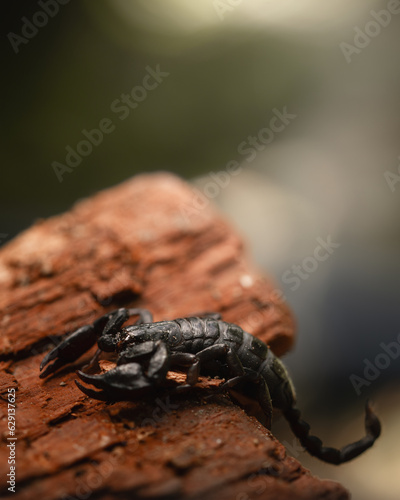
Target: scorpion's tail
[{"x": 332, "y": 455}]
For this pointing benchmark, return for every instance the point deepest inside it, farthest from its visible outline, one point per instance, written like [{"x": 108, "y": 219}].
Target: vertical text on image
[
  {"x": 11, "y": 440},
  {"x": 249, "y": 148},
  {"x": 372, "y": 29}
]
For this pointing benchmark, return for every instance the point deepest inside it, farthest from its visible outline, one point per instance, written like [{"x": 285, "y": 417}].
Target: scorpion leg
[
  {"x": 145, "y": 316},
  {"x": 94, "y": 362},
  {"x": 264, "y": 399},
  {"x": 227, "y": 354},
  {"x": 185, "y": 359},
  {"x": 332, "y": 455},
  {"x": 262, "y": 392},
  {"x": 194, "y": 361}
]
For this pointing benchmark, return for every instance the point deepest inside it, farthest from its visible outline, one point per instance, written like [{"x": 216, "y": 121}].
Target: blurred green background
[
  {"x": 331, "y": 172},
  {"x": 223, "y": 82}
]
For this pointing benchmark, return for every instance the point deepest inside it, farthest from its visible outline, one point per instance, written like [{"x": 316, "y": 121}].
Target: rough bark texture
[{"x": 146, "y": 243}]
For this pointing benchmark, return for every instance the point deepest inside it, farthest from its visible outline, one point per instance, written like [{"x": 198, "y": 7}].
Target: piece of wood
[{"x": 150, "y": 242}]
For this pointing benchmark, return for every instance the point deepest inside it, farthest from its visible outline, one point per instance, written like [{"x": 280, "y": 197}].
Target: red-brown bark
[{"x": 146, "y": 244}]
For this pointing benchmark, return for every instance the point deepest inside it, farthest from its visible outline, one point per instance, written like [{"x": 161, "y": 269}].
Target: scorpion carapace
[{"x": 147, "y": 351}]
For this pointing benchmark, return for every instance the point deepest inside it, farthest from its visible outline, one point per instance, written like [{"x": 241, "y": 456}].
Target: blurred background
[{"x": 325, "y": 171}]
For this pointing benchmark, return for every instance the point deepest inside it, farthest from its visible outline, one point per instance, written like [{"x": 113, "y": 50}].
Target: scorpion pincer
[{"x": 147, "y": 350}]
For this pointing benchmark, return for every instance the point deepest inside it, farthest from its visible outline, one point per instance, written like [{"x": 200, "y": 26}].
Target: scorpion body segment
[{"x": 203, "y": 344}]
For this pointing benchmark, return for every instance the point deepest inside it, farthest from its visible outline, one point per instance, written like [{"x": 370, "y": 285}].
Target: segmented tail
[{"x": 332, "y": 455}]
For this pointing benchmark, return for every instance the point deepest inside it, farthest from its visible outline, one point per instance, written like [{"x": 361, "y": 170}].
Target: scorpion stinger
[{"x": 332, "y": 455}]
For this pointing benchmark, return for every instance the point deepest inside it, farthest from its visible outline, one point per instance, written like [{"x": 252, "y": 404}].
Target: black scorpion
[{"x": 147, "y": 350}]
